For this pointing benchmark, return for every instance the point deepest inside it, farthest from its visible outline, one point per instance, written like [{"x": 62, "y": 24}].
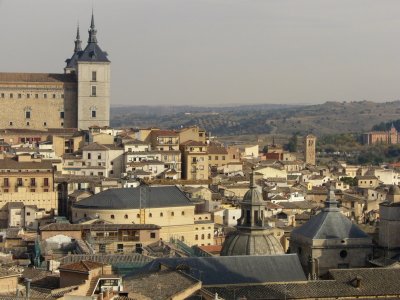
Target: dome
[
  {"x": 260, "y": 242},
  {"x": 253, "y": 195}
]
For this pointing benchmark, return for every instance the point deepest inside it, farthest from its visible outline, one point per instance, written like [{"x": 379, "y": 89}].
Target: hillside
[{"x": 321, "y": 119}]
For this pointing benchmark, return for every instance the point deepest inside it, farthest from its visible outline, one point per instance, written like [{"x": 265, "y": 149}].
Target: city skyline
[{"x": 217, "y": 52}]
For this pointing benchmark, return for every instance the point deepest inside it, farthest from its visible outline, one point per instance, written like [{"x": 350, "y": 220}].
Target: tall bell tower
[{"x": 93, "y": 76}]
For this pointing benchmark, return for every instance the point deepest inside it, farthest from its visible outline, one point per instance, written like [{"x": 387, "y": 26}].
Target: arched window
[
  {"x": 112, "y": 217},
  {"x": 209, "y": 236},
  {"x": 182, "y": 213},
  {"x": 172, "y": 214},
  {"x": 202, "y": 236},
  {"x": 161, "y": 214},
  {"x": 196, "y": 237},
  {"x": 150, "y": 215},
  {"x": 126, "y": 216},
  {"x": 138, "y": 216}
]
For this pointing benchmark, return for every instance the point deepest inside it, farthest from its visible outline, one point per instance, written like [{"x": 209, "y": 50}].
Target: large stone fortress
[{"x": 79, "y": 98}]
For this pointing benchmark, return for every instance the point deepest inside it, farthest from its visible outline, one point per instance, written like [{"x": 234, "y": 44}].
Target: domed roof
[
  {"x": 330, "y": 223},
  {"x": 253, "y": 195},
  {"x": 394, "y": 190},
  {"x": 261, "y": 242}
]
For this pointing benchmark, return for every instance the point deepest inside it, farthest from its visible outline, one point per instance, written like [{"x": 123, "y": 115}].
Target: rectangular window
[
  {"x": 33, "y": 182},
  {"x": 28, "y": 96},
  {"x": 94, "y": 91},
  {"x": 36, "y": 96},
  {"x": 45, "y": 181},
  {"x": 61, "y": 114},
  {"x": 99, "y": 156},
  {"x": 6, "y": 182},
  {"x": 152, "y": 235},
  {"x": 54, "y": 96},
  {"x": 2, "y": 95},
  {"x": 93, "y": 114},
  {"x": 94, "y": 76},
  {"x": 89, "y": 156},
  {"x": 27, "y": 115},
  {"x": 11, "y": 95},
  {"x": 19, "y": 96},
  {"x": 19, "y": 181},
  {"x": 45, "y": 96},
  {"x": 11, "y": 123}
]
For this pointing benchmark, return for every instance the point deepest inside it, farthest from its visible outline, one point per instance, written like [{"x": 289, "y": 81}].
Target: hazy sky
[{"x": 217, "y": 51}]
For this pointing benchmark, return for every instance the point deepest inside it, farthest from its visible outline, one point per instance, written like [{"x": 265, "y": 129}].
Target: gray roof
[
  {"x": 255, "y": 242},
  {"x": 93, "y": 53},
  {"x": 234, "y": 269},
  {"x": 330, "y": 223},
  {"x": 129, "y": 198},
  {"x": 376, "y": 282}
]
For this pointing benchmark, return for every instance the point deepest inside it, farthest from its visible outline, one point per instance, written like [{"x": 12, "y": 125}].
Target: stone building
[
  {"x": 389, "y": 224},
  {"x": 329, "y": 240},
  {"x": 253, "y": 236},
  {"x": 309, "y": 144},
  {"x": 27, "y": 180},
  {"x": 381, "y": 137},
  {"x": 165, "y": 206},
  {"x": 78, "y": 98}
]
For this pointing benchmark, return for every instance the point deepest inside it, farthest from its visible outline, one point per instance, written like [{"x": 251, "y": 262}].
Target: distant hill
[{"x": 321, "y": 119}]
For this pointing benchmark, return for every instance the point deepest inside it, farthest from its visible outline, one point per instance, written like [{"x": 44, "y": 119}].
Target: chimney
[
  {"x": 356, "y": 282},
  {"x": 28, "y": 287}
]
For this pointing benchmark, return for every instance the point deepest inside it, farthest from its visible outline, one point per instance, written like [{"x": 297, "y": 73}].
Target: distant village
[{"x": 101, "y": 212}]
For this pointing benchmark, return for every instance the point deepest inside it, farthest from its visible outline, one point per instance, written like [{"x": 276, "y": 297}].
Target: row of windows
[
  {"x": 202, "y": 228},
  {"x": 33, "y": 181},
  {"x": 138, "y": 215},
  {"x": 216, "y": 157},
  {"x": 31, "y": 190},
  {"x": 11, "y": 123},
  {"x": 196, "y": 237},
  {"x": 29, "y": 96},
  {"x": 28, "y": 114}
]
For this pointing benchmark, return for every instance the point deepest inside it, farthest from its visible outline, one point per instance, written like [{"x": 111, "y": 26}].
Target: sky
[{"x": 217, "y": 52}]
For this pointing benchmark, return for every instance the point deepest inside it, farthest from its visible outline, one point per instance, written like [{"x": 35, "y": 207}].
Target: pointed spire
[
  {"x": 78, "y": 42},
  {"x": 92, "y": 31},
  {"x": 92, "y": 22}
]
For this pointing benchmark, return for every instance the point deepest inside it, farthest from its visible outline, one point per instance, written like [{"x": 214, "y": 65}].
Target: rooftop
[{"x": 129, "y": 198}]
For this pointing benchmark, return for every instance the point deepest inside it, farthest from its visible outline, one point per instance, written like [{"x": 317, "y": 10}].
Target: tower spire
[
  {"x": 78, "y": 42},
  {"x": 92, "y": 31}
]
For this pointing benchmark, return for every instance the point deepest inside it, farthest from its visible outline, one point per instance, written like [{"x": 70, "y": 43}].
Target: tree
[{"x": 291, "y": 146}]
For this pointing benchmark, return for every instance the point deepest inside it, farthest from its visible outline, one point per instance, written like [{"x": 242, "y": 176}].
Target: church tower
[
  {"x": 252, "y": 235},
  {"x": 92, "y": 69},
  {"x": 309, "y": 145}
]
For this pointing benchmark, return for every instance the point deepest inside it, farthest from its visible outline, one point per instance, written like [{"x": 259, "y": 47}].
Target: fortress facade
[{"x": 78, "y": 98}]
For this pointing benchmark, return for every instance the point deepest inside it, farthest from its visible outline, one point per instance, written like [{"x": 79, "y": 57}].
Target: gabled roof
[
  {"x": 84, "y": 266},
  {"x": 95, "y": 147},
  {"x": 194, "y": 143},
  {"x": 92, "y": 53}
]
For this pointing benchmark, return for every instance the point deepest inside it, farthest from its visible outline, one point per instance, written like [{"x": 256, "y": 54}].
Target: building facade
[
  {"x": 309, "y": 143},
  {"x": 78, "y": 98}
]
